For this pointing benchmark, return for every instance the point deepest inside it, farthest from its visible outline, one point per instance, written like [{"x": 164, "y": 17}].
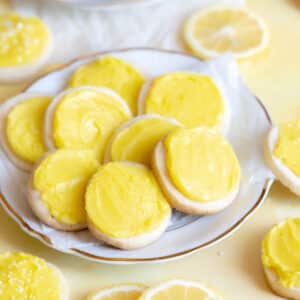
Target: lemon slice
[
  {"x": 119, "y": 292},
  {"x": 179, "y": 289},
  {"x": 220, "y": 29},
  {"x": 24, "y": 276},
  {"x": 112, "y": 73}
]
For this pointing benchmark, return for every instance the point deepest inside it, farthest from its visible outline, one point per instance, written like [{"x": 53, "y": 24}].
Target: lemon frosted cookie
[
  {"x": 213, "y": 31},
  {"x": 192, "y": 99},
  {"x": 21, "y": 134},
  {"x": 25, "y": 46},
  {"x": 127, "y": 291},
  {"x": 57, "y": 187},
  {"x": 26, "y": 277},
  {"x": 282, "y": 150},
  {"x": 125, "y": 206},
  {"x": 84, "y": 118},
  {"x": 136, "y": 139},
  {"x": 113, "y": 73},
  {"x": 281, "y": 258},
  {"x": 198, "y": 170},
  {"x": 180, "y": 289}
]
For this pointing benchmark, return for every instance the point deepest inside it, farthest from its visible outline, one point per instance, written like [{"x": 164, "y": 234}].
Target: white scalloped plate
[{"x": 186, "y": 234}]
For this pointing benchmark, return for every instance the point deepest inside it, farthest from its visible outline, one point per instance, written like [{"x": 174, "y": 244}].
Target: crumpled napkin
[{"x": 79, "y": 32}]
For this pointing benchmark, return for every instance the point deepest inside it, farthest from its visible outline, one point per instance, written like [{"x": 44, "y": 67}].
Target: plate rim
[{"x": 115, "y": 260}]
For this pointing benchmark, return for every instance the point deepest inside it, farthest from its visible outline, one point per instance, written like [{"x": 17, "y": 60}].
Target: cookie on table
[
  {"x": 282, "y": 148},
  {"x": 24, "y": 276},
  {"x": 281, "y": 256},
  {"x": 26, "y": 46}
]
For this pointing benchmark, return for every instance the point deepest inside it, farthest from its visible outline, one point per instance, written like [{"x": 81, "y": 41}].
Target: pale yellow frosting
[
  {"x": 137, "y": 141},
  {"x": 281, "y": 252},
  {"x": 201, "y": 164},
  {"x": 124, "y": 200},
  {"x": 23, "y": 40},
  {"x": 24, "y": 128},
  {"x": 113, "y": 73},
  {"x": 287, "y": 147},
  {"x": 86, "y": 118},
  {"x": 193, "y": 99},
  {"x": 61, "y": 179},
  {"x": 26, "y": 277}
]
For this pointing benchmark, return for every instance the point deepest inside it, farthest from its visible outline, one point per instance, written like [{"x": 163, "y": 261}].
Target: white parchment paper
[{"x": 78, "y": 31}]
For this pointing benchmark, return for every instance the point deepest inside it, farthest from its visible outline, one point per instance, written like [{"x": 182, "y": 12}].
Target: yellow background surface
[{"x": 233, "y": 266}]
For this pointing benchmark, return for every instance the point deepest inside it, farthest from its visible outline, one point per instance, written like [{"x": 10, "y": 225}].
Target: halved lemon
[
  {"x": 217, "y": 30},
  {"x": 119, "y": 292},
  {"x": 179, "y": 289}
]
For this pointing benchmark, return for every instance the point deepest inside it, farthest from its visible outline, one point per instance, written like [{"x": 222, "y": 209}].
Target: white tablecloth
[{"x": 78, "y": 31}]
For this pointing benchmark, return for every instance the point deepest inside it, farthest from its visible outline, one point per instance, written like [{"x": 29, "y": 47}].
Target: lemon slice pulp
[
  {"x": 119, "y": 292},
  {"x": 178, "y": 289},
  {"x": 220, "y": 29}
]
